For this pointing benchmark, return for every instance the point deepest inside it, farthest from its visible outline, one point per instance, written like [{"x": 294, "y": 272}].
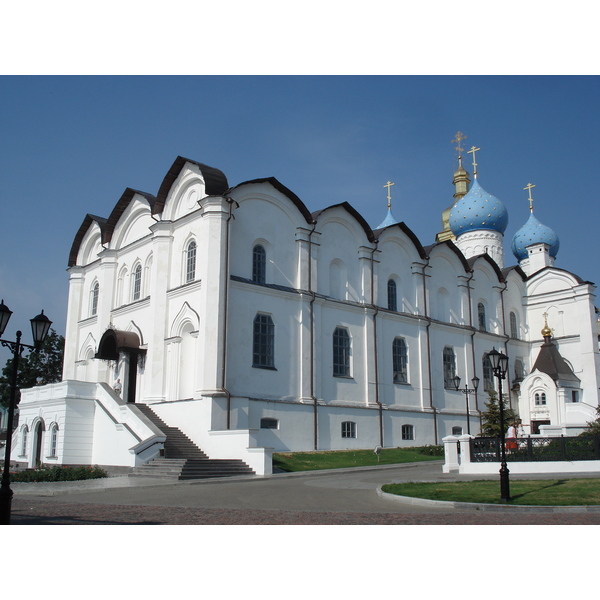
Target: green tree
[
  {"x": 35, "y": 368},
  {"x": 490, "y": 418},
  {"x": 593, "y": 427}
]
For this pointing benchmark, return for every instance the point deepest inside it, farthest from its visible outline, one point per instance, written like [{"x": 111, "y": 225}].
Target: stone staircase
[{"x": 183, "y": 459}]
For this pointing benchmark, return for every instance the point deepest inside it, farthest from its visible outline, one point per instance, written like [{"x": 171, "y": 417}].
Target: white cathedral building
[{"x": 254, "y": 325}]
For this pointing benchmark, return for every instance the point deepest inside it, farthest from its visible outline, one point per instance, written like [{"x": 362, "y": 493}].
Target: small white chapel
[{"x": 252, "y": 325}]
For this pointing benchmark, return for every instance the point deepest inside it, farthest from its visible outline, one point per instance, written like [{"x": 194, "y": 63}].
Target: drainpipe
[
  {"x": 505, "y": 341},
  {"x": 375, "y": 313},
  {"x": 473, "y": 331},
  {"x": 428, "y": 337},
  {"x": 312, "y": 340},
  {"x": 223, "y": 389}
]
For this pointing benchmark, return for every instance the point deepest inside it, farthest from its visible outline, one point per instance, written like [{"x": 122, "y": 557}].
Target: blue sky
[{"x": 72, "y": 144}]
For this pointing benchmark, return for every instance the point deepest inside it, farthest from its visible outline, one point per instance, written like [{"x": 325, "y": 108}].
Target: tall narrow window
[
  {"x": 341, "y": 352},
  {"x": 481, "y": 317},
  {"x": 392, "y": 295},
  {"x": 259, "y": 264},
  {"x": 190, "y": 262},
  {"x": 137, "y": 282},
  {"x": 449, "y": 367},
  {"x": 263, "y": 354},
  {"x": 400, "y": 360},
  {"x": 24, "y": 435},
  {"x": 488, "y": 374},
  {"x": 53, "y": 439},
  {"x": 519, "y": 370},
  {"x": 95, "y": 294},
  {"x": 514, "y": 331}
]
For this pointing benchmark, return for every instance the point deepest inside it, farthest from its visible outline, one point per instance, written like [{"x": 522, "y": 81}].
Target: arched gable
[
  {"x": 551, "y": 279},
  {"x": 352, "y": 212},
  {"x": 490, "y": 264},
  {"x": 238, "y": 191},
  {"x": 401, "y": 232},
  {"x": 185, "y": 315},
  {"x": 125, "y": 201},
  {"x": 85, "y": 239},
  {"x": 214, "y": 181}
]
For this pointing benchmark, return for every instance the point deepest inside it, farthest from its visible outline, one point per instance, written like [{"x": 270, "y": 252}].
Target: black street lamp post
[
  {"x": 466, "y": 391},
  {"x": 499, "y": 362},
  {"x": 40, "y": 326}
]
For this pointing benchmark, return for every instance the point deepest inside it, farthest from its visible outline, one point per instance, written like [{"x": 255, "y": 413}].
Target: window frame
[
  {"x": 392, "y": 295},
  {"x": 269, "y": 423},
  {"x": 259, "y": 264},
  {"x": 481, "y": 317},
  {"x": 488, "y": 374},
  {"x": 53, "y": 441},
  {"x": 400, "y": 360},
  {"x": 514, "y": 326},
  {"x": 95, "y": 296},
  {"x": 342, "y": 350},
  {"x": 540, "y": 399},
  {"x": 191, "y": 251},
  {"x": 348, "y": 429},
  {"x": 263, "y": 342},
  {"x": 136, "y": 284},
  {"x": 449, "y": 367},
  {"x": 408, "y": 432}
]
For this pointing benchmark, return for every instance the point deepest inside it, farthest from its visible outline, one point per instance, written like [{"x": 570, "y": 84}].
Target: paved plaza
[{"x": 343, "y": 496}]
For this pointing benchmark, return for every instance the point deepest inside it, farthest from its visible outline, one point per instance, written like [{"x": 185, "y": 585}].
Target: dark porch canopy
[{"x": 113, "y": 341}]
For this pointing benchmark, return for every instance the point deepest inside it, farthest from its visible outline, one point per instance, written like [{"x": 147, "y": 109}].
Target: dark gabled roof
[
  {"x": 550, "y": 361},
  {"x": 119, "y": 209},
  {"x": 113, "y": 340},
  {"x": 87, "y": 222},
  {"x": 517, "y": 269},
  {"x": 214, "y": 180},
  {"x": 282, "y": 189},
  {"x": 408, "y": 232},
  {"x": 351, "y": 210}
]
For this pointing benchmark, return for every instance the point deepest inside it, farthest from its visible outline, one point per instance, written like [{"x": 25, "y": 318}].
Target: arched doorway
[
  {"x": 38, "y": 438},
  {"x": 114, "y": 343}
]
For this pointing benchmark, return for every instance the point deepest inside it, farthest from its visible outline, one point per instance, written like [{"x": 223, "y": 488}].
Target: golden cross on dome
[
  {"x": 389, "y": 185},
  {"x": 529, "y": 186},
  {"x": 458, "y": 138},
  {"x": 472, "y": 151}
]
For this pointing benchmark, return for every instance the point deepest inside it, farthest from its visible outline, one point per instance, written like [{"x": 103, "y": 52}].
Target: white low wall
[{"x": 456, "y": 462}]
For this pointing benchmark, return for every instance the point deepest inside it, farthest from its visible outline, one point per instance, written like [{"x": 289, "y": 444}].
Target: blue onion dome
[
  {"x": 533, "y": 232},
  {"x": 478, "y": 210}
]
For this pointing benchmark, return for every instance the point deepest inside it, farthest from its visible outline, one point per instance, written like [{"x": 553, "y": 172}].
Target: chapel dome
[
  {"x": 534, "y": 232},
  {"x": 478, "y": 210}
]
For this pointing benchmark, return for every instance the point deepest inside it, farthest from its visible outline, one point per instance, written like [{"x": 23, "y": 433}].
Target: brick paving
[{"x": 34, "y": 511}]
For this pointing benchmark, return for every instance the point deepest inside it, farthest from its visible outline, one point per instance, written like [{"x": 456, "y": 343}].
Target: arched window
[
  {"x": 263, "y": 346},
  {"x": 53, "y": 439},
  {"x": 24, "y": 436},
  {"x": 481, "y": 317},
  {"x": 137, "y": 282},
  {"x": 519, "y": 370},
  {"x": 400, "y": 360},
  {"x": 95, "y": 294},
  {"x": 449, "y": 367},
  {"x": 488, "y": 374},
  {"x": 348, "y": 429},
  {"x": 341, "y": 352},
  {"x": 408, "y": 432},
  {"x": 392, "y": 295},
  {"x": 540, "y": 399},
  {"x": 259, "y": 264},
  {"x": 514, "y": 331},
  {"x": 190, "y": 262}
]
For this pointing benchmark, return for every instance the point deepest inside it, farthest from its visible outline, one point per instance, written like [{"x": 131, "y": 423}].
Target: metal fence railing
[{"x": 532, "y": 449}]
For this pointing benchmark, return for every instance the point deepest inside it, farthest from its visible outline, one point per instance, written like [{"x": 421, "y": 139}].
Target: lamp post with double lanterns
[
  {"x": 466, "y": 391},
  {"x": 40, "y": 326},
  {"x": 499, "y": 362}
]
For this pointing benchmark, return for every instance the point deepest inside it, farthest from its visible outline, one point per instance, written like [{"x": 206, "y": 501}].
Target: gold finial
[
  {"x": 546, "y": 331},
  {"x": 458, "y": 138},
  {"x": 529, "y": 186},
  {"x": 388, "y": 185},
  {"x": 472, "y": 151}
]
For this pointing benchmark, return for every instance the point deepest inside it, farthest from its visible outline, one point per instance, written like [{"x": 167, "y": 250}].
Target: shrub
[
  {"x": 431, "y": 450},
  {"x": 57, "y": 473}
]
